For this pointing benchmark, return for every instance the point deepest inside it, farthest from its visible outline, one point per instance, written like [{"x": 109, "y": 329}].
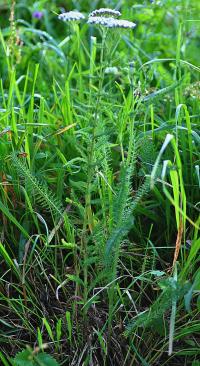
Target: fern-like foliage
[
  {"x": 147, "y": 155},
  {"x": 42, "y": 194},
  {"x": 117, "y": 212},
  {"x": 121, "y": 222},
  {"x": 122, "y": 218},
  {"x": 173, "y": 291},
  {"x": 141, "y": 192},
  {"x": 119, "y": 218}
]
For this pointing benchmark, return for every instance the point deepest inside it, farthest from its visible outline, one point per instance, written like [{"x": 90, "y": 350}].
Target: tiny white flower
[
  {"x": 71, "y": 16},
  {"x": 105, "y": 12},
  {"x": 111, "y": 22},
  {"x": 112, "y": 70}
]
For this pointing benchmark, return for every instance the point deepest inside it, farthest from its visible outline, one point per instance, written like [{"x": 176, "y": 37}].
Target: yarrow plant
[
  {"x": 105, "y": 12},
  {"x": 106, "y": 19},
  {"x": 111, "y": 22},
  {"x": 71, "y": 16}
]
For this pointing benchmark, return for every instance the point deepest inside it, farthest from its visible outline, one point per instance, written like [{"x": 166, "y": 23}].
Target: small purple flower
[{"x": 37, "y": 14}]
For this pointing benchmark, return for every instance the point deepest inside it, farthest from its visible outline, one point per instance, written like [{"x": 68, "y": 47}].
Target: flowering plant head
[
  {"x": 71, "y": 16},
  {"x": 112, "y": 70},
  {"x": 37, "y": 14},
  {"x": 111, "y": 22},
  {"x": 103, "y": 12}
]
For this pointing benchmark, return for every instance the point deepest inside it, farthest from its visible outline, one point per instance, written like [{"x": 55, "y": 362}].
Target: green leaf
[
  {"x": 76, "y": 279},
  {"x": 24, "y": 358},
  {"x": 48, "y": 328},
  {"x": 46, "y": 360},
  {"x": 198, "y": 303},
  {"x": 44, "y": 196},
  {"x": 157, "y": 273},
  {"x": 8, "y": 214},
  {"x": 172, "y": 292},
  {"x": 30, "y": 358},
  {"x": 195, "y": 287},
  {"x": 3, "y": 359}
]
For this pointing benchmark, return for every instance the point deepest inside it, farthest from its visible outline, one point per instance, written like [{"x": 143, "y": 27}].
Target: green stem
[{"x": 88, "y": 217}]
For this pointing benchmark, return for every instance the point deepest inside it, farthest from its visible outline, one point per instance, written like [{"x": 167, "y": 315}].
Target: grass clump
[{"x": 99, "y": 189}]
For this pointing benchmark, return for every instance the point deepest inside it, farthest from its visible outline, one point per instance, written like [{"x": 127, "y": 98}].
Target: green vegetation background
[{"x": 99, "y": 185}]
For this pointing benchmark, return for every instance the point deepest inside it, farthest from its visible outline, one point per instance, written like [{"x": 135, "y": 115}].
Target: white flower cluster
[
  {"x": 105, "y": 12},
  {"x": 111, "y": 22},
  {"x": 100, "y": 20},
  {"x": 71, "y": 16},
  {"x": 105, "y": 17}
]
